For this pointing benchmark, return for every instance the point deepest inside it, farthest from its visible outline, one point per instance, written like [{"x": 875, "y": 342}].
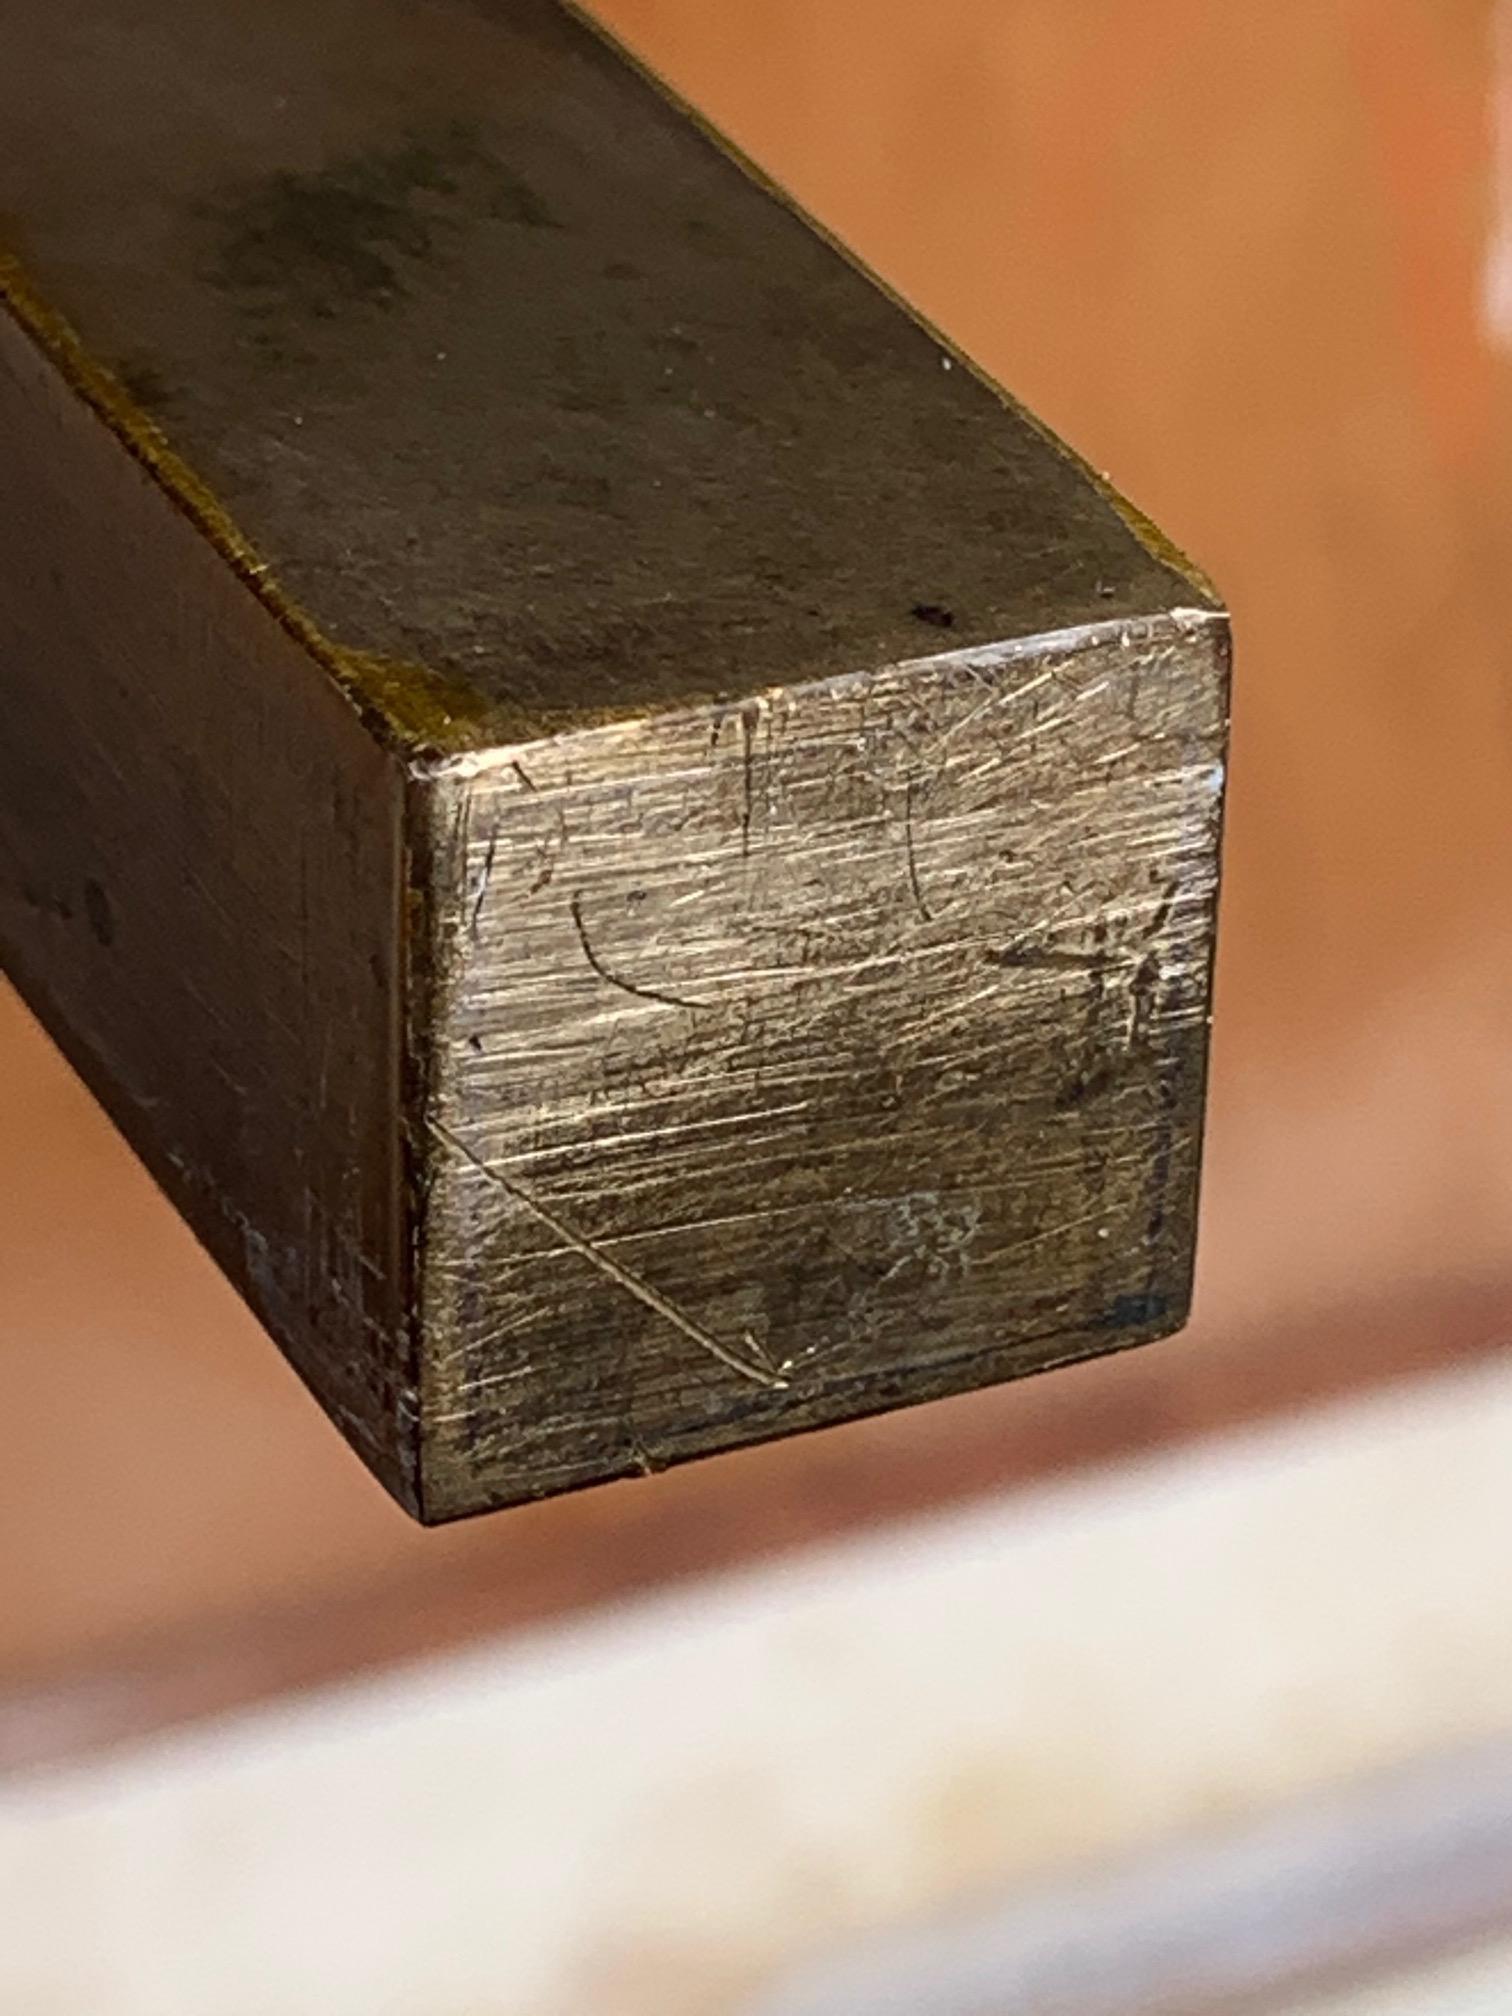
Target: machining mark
[{"x": 759, "y": 1368}]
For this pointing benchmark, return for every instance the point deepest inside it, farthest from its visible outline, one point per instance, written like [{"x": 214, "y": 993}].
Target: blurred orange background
[{"x": 1257, "y": 264}]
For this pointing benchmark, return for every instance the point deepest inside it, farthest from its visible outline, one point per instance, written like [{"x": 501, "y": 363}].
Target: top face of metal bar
[{"x": 508, "y": 384}]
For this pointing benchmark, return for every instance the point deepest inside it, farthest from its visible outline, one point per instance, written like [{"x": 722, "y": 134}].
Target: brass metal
[{"x": 633, "y": 843}]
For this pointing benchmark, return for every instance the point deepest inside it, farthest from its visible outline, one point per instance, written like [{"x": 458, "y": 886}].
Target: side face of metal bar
[{"x": 200, "y": 878}]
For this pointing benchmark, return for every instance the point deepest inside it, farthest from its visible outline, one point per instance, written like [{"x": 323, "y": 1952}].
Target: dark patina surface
[
  {"x": 634, "y": 844},
  {"x": 507, "y": 372}
]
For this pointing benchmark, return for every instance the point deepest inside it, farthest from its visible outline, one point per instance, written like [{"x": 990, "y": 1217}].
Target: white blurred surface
[
  {"x": 663, "y": 1810},
  {"x": 1474, "y": 1984}
]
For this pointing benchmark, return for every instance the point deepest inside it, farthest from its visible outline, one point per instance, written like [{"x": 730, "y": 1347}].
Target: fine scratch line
[
  {"x": 759, "y": 1368},
  {"x": 748, "y": 716},
  {"x": 913, "y": 862},
  {"x": 625, "y": 986},
  {"x": 481, "y": 893}
]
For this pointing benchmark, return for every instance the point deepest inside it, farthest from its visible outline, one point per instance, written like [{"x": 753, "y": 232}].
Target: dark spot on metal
[
  {"x": 1126, "y": 1311},
  {"x": 935, "y": 614},
  {"x": 1042, "y": 958},
  {"x": 351, "y": 234},
  {"x": 1084, "y": 1087},
  {"x": 100, "y": 916},
  {"x": 142, "y": 381},
  {"x": 46, "y": 903}
]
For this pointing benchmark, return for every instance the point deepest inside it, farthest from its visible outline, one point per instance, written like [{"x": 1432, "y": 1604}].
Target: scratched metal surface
[
  {"x": 803, "y": 1058},
  {"x": 526, "y": 398}
]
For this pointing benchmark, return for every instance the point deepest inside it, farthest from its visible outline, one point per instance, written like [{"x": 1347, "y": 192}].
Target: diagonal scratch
[
  {"x": 759, "y": 1368},
  {"x": 481, "y": 893}
]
